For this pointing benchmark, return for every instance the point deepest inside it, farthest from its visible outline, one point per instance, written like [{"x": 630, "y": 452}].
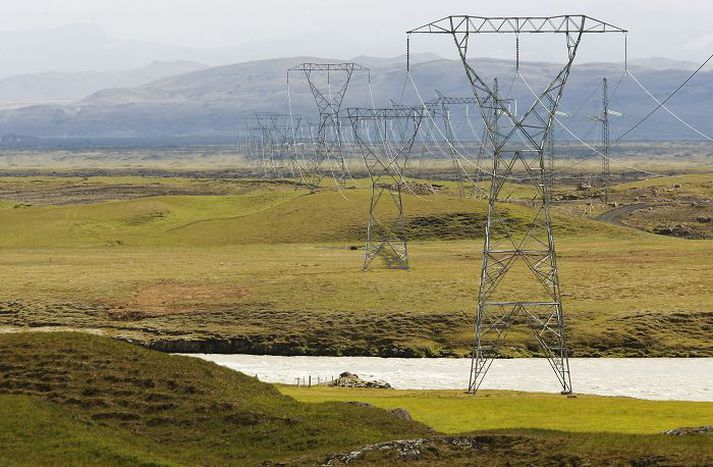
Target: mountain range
[
  {"x": 187, "y": 100},
  {"x": 61, "y": 87}
]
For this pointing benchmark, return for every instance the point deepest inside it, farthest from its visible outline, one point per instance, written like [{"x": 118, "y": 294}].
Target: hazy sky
[{"x": 341, "y": 29}]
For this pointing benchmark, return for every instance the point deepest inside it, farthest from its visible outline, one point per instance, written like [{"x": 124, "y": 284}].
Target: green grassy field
[
  {"x": 268, "y": 267},
  {"x": 456, "y": 412}
]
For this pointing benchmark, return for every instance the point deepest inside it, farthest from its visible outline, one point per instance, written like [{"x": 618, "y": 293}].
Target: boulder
[
  {"x": 402, "y": 414},
  {"x": 350, "y": 380}
]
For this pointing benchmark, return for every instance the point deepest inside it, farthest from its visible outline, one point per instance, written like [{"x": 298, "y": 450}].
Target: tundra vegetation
[{"x": 204, "y": 262}]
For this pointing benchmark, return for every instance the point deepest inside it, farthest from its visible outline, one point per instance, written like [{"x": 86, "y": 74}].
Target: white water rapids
[{"x": 645, "y": 378}]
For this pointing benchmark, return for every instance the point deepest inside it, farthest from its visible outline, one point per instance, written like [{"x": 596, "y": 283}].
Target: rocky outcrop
[
  {"x": 682, "y": 230},
  {"x": 691, "y": 430},
  {"x": 350, "y": 380},
  {"x": 421, "y": 448}
]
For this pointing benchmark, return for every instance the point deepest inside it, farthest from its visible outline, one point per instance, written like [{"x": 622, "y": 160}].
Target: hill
[
  {"x": 252, "y": 213},
  {"x": 92, "y": 400},
  {"x": 62, "y": 87},
  {"x": 217, "y": 101}
]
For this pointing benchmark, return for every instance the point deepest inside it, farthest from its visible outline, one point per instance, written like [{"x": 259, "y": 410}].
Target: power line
[
  {"x": 595, "y": 151},
  {"x": 663, "y": 103}
]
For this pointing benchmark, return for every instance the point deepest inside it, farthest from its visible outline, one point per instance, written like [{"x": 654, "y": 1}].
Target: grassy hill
[
  {"x": 81, "y": 399},
  {"x": 265, "y": 213}
]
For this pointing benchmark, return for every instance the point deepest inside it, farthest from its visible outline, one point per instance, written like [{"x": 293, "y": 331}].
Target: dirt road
[{"x": 614, "y": 216}]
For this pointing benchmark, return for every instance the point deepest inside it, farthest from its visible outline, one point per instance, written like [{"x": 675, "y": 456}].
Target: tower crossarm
[
  {"x": 561, "y": 24},
  {"x": 309, "y": 66},
  {"x": 365, "y": 113}
]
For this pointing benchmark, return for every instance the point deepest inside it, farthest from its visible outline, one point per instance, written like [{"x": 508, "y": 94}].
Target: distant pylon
[
  {"x": 385, "y": 151},
  {"x": 603, "y": 118},
  {"x": 466, "y": 183},
  {"x": 273, "y": 136},
  {"x": 328, "y": 144}
]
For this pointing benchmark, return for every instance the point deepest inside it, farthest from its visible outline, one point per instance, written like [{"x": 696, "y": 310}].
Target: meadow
[
  {"x": 453, "y": 412},
  {"x": 253, "y": 266}
]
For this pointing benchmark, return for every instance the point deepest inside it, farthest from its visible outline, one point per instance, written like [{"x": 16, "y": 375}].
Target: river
[{"x": 645, "y": 378}]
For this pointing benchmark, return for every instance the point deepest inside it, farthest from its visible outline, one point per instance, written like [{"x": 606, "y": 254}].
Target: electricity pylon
[
  {"x": 605, "y": 139},
  {"x": 329, "y": 132},
  {"x": 519, "y": 282},
  {"x": 276, "y": 143},
  {"x": 467, "y": 187},
  {"x": 385, "y": 151},
  {"x": 603, "y": 119}
]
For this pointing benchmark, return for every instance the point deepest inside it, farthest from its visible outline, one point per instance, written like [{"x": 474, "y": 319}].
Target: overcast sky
[{"x": 196, "y": 29}]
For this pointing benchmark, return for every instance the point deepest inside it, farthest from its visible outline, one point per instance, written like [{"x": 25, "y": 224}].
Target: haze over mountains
[
  {"x": 188, "y": 100},
  {"x": 57, "y": 86}
]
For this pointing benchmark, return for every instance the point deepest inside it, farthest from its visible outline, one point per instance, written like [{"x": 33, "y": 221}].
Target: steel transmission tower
[
  {"x": 385, "y": 152},
  {"x": 273, "y": 134},
  {"x": 464, "y": 188},
  {"x": 519, "y": 281},
  {"x": 603, "y": 119},
  {"x": 329, "y": 133}
]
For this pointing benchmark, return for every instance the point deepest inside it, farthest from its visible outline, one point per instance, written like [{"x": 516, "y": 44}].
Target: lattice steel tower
[
  {"x": 519, "y": 281},
  {"x": 273, "y": 134},
  {"x": 603, "y": 119},
  {"x": 466, "y": 184},
  {"x": 329, "y": 132},
  {"x": 385, "y": 151}
]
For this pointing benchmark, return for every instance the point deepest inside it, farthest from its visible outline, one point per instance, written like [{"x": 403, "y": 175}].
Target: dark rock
[
  {"x": 678, "y": 230},
  {"x": 403, "y": 414},
  {"x": 360, "y": 404},
  {"x": 691, "y": 430}
]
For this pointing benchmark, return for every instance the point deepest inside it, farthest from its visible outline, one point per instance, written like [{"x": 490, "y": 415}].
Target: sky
[{"x": 38, "y": 35}]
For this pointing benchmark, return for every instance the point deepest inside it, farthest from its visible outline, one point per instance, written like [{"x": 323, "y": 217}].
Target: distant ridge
[
  {"x": 55, "y": 86},
  {"x": 213, "y": 102}
]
